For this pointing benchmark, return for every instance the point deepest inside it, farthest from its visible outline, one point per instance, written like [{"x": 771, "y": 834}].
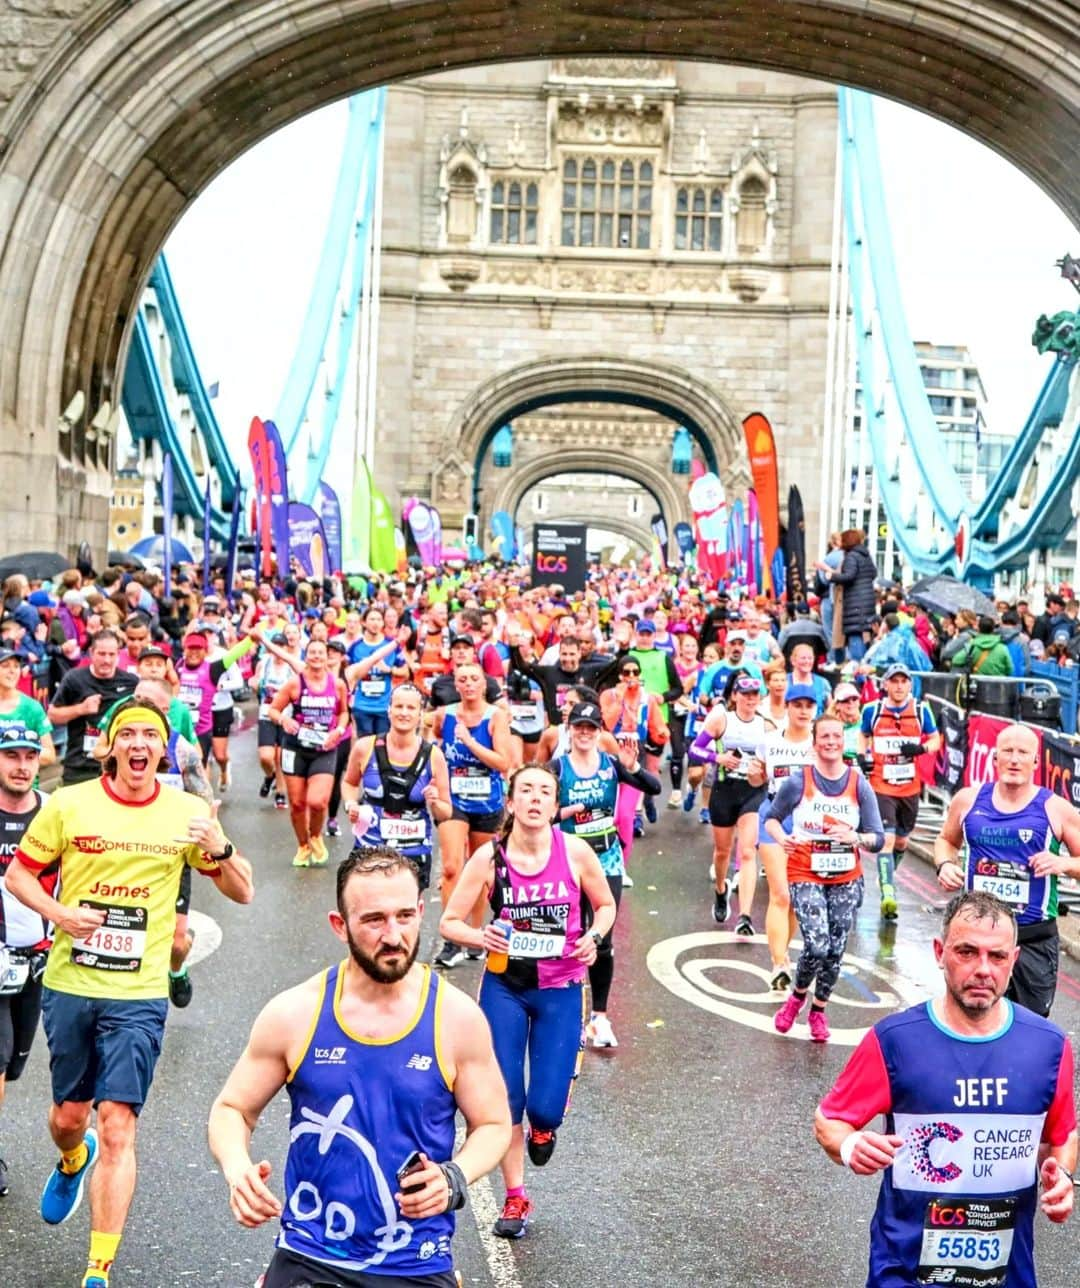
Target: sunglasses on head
[{"x": 13, "y": 734}]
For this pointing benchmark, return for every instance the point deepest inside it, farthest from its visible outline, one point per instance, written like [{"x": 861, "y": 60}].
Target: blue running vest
[
  {"x": 961, "y": 1194},
  {"x": 596, "y": 824},
  {"x": 1000, "y": 849},
  {"x": 475, "y": 788},
  {"x": 359, "y": 1109}
]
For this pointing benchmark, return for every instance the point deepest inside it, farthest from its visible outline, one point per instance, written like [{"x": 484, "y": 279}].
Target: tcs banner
[
  {"x": 559, "y": 555},
  {"x": 982, "y": 735}
]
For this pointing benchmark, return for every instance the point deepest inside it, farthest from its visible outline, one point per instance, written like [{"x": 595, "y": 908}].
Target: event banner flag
[
  {"x": 328, "y": 508},
  {"x": 167, "y": 517},
  {"x": 711, "y": 524},
  {"x": 795, "y": 539},
  {"x": 560, "y": 556},
  {"x": 426, "y": 528},
  {"x": 762, "y": 450},
  {"x": 503, "y": 537},
  {"x": 234, "y": 543},
  {"x": 271, "y": 493},
  {"x": 684, "y": 539},
  {"x": 360, "y": 516},
  {"x": 659, "y": 530},
  {"x": 384, "y": 556},
  {"x": 952, "y": 754},
  {"x": 307, "y": 541},
  {"x": 206, "y": 521}
]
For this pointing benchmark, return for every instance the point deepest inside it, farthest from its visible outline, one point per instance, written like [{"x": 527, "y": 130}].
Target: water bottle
[{"x": 498, "y": 962}]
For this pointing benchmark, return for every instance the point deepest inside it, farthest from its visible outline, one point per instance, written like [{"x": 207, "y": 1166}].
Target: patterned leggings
[{"x": 825, "y": 914}]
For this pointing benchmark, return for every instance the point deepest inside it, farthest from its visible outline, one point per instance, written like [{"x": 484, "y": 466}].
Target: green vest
[{"x": 654, "y": 676}]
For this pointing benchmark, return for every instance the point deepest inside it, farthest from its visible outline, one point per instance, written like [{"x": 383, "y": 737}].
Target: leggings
[
  {"x": 677, "y": 725},
  {"x": 343, "y": 749},
  {"x": 602, "y": 971},
  {"x": 626, "y": 804},
  {"x": 825, "y": 914},
  {"x": 546, "y": 1024},
  {"x": 19, "y": 1015}
]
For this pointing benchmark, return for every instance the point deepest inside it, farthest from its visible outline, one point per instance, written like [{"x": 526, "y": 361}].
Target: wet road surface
[{"x": 688, "y": 1157}]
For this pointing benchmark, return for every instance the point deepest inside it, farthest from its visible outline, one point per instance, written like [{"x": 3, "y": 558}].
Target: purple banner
[
  {"x": 328, "y": 508},
  {"x": 166, "y": 519},
  {"x": 307, "y": 540},
  {"x": 271, "y": 492},
  {"x": 426, "y": 528}
]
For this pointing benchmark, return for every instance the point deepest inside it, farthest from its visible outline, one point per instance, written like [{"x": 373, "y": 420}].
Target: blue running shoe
[
  {"x": 650, "y": 809},
  {"x": 63, "y": 1193},
  {"x": 689, "y": 800},
  {"x": 703, "y": 816},
  {"x": 639, "y": 826},
  {"x": 95, "y": 1281}
]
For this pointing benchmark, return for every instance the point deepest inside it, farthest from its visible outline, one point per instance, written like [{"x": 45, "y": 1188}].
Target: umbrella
[
  {"x": 947, "y": 595},
  {"x": 38, "y": 565},
  {"x": 122, "y": 559},
  {"x": 803, "y": 631},
  {"x": 152, "y": 549}
]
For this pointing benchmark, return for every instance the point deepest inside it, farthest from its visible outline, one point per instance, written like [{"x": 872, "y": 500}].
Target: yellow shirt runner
[{"x": 127, "y": 859}]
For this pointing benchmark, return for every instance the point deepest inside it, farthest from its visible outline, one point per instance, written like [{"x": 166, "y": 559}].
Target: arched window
[
  {"x": 699, "y": 219},
  {"x": 461, "y": 206},
  {"x": 750, "y": 222},
  {"x": 607, "y": 203},
  {"x": 515, "y": 208}
]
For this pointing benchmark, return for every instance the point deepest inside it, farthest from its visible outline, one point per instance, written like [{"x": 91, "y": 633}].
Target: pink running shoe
[
  {"x": 819, "y": 1026},
  {"x": 786, "y": 1016}
]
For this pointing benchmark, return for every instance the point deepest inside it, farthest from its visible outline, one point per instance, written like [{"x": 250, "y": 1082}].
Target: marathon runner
[
  {"x": 25, "y": 937},
  {"x": 20, "y": 709},
  {"x": 404, "y": 781},
  {"x": 898, "y": 729},
  {"x": 84, "y": 694},
  {"x": 834, "y": 815},
  {"x": 374, "y": 1126},
  {"x": 781, "y": 753},
  {"x": 730, "y": 739},
  {"x": 120, "y": 842},
  {"x": 633, "y": 715},
  {"x": 589, "y": 783},
  {"x": 537, "y": 881},
  {"x": 979, "y": 1108},
  {"x": 443, "y": 690},
  {"x": 1013, "y": 833},
  {"x": 375, "y": 662},
  {"x": 688, "y": 668},
  {"x": 476, "y": 743},
  {"x": 271, "y": 672},
  {"x": 847, "y": 704},
  {"x": 199, "y": 678},
  {"x": 336, "y": 654},
  {"x": 310, "y": 735}
]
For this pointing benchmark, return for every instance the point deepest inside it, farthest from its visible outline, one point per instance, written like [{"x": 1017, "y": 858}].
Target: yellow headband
[{"x": 138, "y": 715}]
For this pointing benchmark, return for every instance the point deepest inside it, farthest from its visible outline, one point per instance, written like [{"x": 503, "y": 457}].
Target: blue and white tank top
[
  {"x": 595, "y": 824},
  {"x": 475, "y": 788},
  {"x": 1000, "y": 847},
  {"x": 359, "y": 1109}
]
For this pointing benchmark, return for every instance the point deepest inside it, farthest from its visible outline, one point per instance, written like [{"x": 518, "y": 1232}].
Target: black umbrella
[
  {"x": 35, "y": 564},
  {"x": 943, "y": 594},
  {"x": 124, "y": 559}
]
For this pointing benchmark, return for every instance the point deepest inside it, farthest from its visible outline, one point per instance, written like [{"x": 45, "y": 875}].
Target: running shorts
[
  {"x": 898, "y": 813},
  {"x": 731, "y": 799}
]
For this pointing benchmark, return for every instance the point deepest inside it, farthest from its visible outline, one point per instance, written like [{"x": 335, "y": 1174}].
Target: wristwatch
[
  {"x": 596, "y": 937},
  {"x": 225, "y": 854}
]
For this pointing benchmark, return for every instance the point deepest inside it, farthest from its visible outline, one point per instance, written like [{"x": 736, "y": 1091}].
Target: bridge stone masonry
[{"x": 115, "y": 115}]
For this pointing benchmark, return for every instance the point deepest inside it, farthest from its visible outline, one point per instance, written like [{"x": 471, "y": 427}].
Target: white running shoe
[
  {"x": 600, "y": 1033},
  {"x": 675, "y": 799},
  {"x": 627, "y": 881}
]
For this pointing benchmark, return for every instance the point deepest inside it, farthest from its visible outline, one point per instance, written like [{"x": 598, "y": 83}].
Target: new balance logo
[
  {"x": 329, "y": 1055},
  {"x": 421, "y": 1062}
]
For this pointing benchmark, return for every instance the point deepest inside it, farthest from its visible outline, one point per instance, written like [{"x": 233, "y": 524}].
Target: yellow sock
[
  {"x": 72, "y": 1159},
  {"x": 102, "y": 1254}
]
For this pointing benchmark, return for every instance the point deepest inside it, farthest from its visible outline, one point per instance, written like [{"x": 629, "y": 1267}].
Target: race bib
[
  {"x": 171, "y": 780},
  {"x": 590, "y": 824},
  {"x": 373, "y": 688},
  {"x": 526, "y": 943},
  {"x": 288, "y": 760},
  {"x": 1009, "y": 889},
  {"x": 90, "y": 738},
  {"x": 264, "y": 710},
  {"x": 398, "y": 827},
  {"x": 966, "y": 1242},
  {"x": 472, "y": 785},
  {"x": 191, "y": 696},
  {"x": 312, "y": 739},
  {"x": 827, "y": 858},
  {"x": 14, "y": 972},
  {"x": 521, "y": 711},
  {"x": 118, "y": 944}
]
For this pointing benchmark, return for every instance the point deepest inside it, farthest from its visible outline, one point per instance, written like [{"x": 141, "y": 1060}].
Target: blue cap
[
  {"x": 18, "y": 735},
  {"x": 897, "y": 668},
  {"x": 797, "y": 691},
  {"x": 646, "y": 627}
]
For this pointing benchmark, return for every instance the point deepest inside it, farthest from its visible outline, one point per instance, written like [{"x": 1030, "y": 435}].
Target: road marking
[
  {"x": 207, "y": 937},
  {"x": 693, "y": 983},
  {"x": 485, "y": 1210}
]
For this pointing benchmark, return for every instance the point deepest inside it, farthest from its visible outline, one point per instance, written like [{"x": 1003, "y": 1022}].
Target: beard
[
  {"x": 974, "y": 1009},
  {"x": 378, "y": 967}
]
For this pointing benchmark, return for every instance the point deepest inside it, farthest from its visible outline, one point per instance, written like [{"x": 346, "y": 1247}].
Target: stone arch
[
  {"x": 672, "y": 500},
  {"x": 137, "y": 106},
  {"x": 673, "y": 392}
]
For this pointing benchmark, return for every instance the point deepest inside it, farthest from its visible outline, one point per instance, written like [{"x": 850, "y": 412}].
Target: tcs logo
[
  {"x": 942, "y": 1214},
  {"x": 551, "y": 563}
]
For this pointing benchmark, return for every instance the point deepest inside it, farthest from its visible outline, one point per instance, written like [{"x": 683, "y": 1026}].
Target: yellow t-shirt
[{"x": 125, "y": 858}]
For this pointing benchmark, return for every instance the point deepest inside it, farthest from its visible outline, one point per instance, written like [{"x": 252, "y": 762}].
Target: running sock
[
  {"x": 72, "y": 1160},
  {"x": 178, "y": 974},
  {"x": 515, "y": 1191},
  {"x": 815, "y": 1005},
  {"x": 800, "y": 993},
  {"x": 102, "y": 1254}
]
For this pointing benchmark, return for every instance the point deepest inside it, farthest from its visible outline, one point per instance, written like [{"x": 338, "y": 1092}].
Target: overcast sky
[{"x": 975, "y": 243}]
